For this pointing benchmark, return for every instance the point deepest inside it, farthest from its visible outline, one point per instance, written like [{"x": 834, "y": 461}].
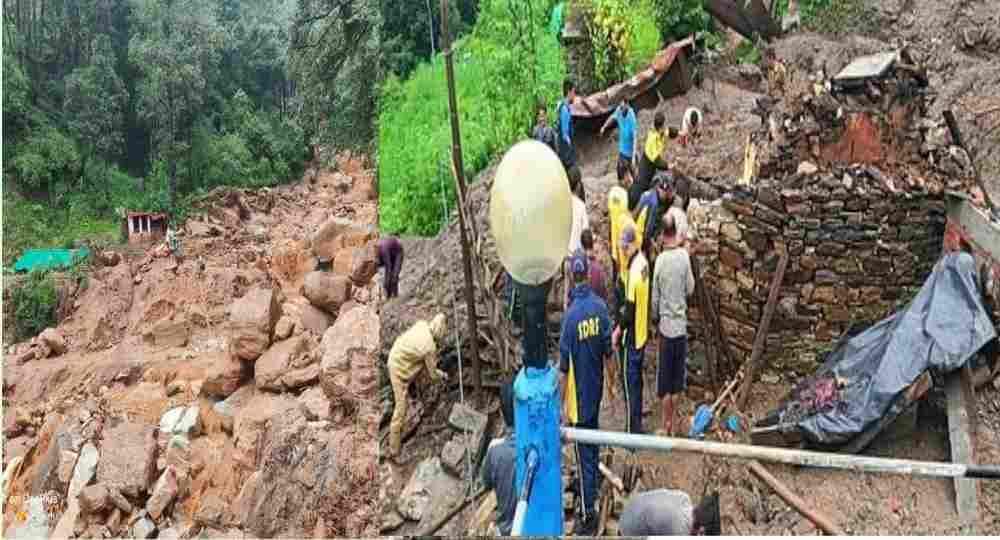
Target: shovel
[{"x": 704, "y": 414}]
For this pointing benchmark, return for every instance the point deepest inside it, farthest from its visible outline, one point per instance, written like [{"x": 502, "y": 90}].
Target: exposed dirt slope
[{"x": 270, "y": 452}]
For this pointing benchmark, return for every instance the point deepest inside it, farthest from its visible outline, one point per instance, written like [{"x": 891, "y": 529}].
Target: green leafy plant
[
  {"x": 503, "y": 68},
  {"x": 34, "y": 300},
  {"x": 747, "y": 52},
  {"x": 623, "y": 36},
  {"x": 678, "y": 19}
]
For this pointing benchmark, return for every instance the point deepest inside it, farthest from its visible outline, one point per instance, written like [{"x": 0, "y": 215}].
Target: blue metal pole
[{"x": 536, "y": 425}]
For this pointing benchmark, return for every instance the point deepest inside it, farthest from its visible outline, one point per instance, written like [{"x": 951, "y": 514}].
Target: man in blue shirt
[
  {"x": 584, "y": 346},
  {"x": 624, "y": 115},
  {"x": 564, "y": 125},
  {"x": 650, "y": 209}
]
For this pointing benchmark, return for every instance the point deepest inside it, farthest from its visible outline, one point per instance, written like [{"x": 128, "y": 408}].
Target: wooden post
[
  {"x": 761, "y": 339},
  {"x": 958, "y": 390},
  {"x": 793, "y": 500},
  {"x": 456, "y": 152}
]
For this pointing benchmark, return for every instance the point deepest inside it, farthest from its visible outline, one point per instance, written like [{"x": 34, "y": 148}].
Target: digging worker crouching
[
  {"x": 584, "y": 346},
  {"x": 416, "y": 348}
]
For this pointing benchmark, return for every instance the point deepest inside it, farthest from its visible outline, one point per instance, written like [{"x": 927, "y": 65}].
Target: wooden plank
[
  {"x": 958, "y": 391},
  {"x": 820, "y": 520},
  {"x": 761, "y": 339}
]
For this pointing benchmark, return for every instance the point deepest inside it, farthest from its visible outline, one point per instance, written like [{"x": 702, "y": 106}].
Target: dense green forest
[{"x": 112, "y": 104}]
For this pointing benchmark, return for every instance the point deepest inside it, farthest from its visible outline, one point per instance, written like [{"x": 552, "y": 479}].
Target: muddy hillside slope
[{"x": 225, "y": 393}]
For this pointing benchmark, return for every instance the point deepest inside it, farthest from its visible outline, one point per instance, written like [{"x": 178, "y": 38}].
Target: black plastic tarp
[{"x": 943, "y": 327}]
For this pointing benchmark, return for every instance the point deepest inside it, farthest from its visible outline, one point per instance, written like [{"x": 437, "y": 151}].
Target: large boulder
[
  {"x": 94, "y": 499},
  {"x": 314, "y": 404},
  {"x": 224, "y": 375},
  {"x": 348, "y": 368},
  {"x": 183, "y": 421},
  {"x": 128, "y": 458},
  {"x": 314, "y": 319},
  {"x": 338, "y": 233},
  {"x": 252, "y": 420},
  {"x": 358, "y": 263},
  {"x": 326, "y": 291},
  {"x": 164, "y": 493},
  {"x": 291, "y": 484},
  {"x": 54, "y": 340},
  {"x": 252, "y": 320},
  {"x": 284, "y": 359},
  {"x": 168, "y": 333}
]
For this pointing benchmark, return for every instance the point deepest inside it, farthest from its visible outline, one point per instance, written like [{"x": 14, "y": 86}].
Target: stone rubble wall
[{"x": 858, "y": 249}]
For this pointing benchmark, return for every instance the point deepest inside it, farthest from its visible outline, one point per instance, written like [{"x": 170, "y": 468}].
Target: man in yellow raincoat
[{"x": 413, "y": 350}]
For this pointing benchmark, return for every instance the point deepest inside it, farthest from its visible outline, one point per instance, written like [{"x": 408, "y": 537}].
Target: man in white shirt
[
  {"x": 580, "y": 223},
  {"x": 691, "y": 125},
  {"x": 673, "y": 283}
]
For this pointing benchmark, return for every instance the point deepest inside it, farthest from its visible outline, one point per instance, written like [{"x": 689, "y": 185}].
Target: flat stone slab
[{"x": 429, "y": 494}]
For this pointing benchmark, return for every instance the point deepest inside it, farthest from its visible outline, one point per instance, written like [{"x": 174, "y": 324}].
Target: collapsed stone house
[{"x": 851, "y": 185}]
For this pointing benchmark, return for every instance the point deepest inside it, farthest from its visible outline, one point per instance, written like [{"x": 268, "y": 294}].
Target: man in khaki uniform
[{"x": 416, "y": 348}]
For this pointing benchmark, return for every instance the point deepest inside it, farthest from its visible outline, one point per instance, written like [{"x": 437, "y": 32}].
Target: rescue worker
[
  {"x": 652, "y": 205},
  {"x": 499, "y": 465},
  {"x": 414, "y": 349},
  {"x": 564, "y": 128},
  {"x": 617, "y": 213},
  {"x": 584, "y": 345},
  {"x": 390, "y": 257},
  {"x": 669, "y": 512},
  {"x": 624, "y": 116},
  {"x": 652, "y": 159},
  {"x": 673, "y": 283},
  {"x": 690, "y": 125},
  {"x": 632, "y": 330}
]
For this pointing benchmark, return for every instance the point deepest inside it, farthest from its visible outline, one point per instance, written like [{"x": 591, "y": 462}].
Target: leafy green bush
[
  {"x": 506, "y": 66},
  {"x": 677, "y": 19},
  {"x": 34, "y": 300},
  {"x": 623, "y": 35}
]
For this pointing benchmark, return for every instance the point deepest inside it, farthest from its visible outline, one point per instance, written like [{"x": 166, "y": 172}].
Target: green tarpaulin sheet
[{"x": 41, "y": 259}]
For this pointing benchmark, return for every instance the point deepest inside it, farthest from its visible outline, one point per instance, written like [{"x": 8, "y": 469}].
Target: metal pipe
[
  {"x": 522, "y": 501},
  {"x": 823, "y": 460}
]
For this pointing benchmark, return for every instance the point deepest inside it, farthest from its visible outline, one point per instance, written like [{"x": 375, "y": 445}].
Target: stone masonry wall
[{"x": 858, "y": 248}]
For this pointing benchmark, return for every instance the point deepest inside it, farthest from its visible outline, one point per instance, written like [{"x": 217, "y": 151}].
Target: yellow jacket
[
  {"x": 416, "y": 348},
  {"x": 637, "y": 293},
  {"x": 617, "y": 206},
  {"x": 656, "y": 143},
  {"x": 625, "y": 219}
]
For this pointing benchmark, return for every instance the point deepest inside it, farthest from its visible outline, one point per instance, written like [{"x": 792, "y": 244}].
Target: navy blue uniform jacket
[{"x": 585, "y": 343}]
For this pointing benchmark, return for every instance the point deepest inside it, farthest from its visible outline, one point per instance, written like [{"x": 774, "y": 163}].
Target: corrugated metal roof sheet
[{"x": 605, "y": 101}]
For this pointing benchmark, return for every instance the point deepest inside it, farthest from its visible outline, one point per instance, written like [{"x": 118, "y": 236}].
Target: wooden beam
[
  {"x": 612, "y": 478},
  {"x": 958, "y": 390},
  {"x": 761, "y": 340},
  {"x": 793, "y": 500}
]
